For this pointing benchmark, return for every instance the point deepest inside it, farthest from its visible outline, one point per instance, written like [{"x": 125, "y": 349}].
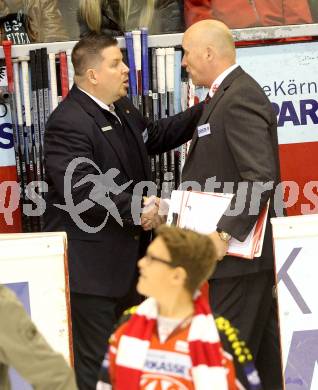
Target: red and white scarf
[{"x": 204, "y": 346}]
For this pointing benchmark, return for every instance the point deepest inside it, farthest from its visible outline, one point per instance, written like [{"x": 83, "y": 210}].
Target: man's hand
[
  {"x": 150, "y": 219},
  {"x": 221, "y": 246}
]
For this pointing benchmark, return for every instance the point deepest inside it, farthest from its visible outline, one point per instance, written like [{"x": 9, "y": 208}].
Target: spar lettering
[{"x": 298, "y": 113}]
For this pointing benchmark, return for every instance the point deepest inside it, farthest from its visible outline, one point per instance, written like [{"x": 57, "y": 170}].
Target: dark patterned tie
[
  {"x": 213, "y": 90},
  {"x": 207, "y": 98}
]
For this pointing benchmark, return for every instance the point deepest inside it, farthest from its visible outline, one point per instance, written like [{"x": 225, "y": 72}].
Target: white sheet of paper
[
  {"x": 201, "y": 212},
  {"x": 199, "y": 215}
]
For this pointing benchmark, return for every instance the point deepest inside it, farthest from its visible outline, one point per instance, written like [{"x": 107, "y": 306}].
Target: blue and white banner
[
  {"x": 288, "y": 74},
  {"x": 295, "y": 243}
]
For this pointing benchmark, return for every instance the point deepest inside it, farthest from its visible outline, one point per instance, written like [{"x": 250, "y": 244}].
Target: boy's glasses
[{"x": 150, "y": 258}]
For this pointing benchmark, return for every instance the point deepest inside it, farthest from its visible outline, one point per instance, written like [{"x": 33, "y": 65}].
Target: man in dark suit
[
  {"x": 235, "y": 150},
  {"x": 96, "y": 151}
]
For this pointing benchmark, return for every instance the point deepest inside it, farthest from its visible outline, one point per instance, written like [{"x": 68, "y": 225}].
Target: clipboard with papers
[{"x": 201, "y": 211}]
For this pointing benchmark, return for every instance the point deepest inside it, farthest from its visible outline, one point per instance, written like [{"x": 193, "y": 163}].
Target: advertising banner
[
  {"x": 289, "y": 77},
  {"x": 34, "y": 266},
  {"x": 8, "y": 171},
  {"x": 295, "y": 243}
]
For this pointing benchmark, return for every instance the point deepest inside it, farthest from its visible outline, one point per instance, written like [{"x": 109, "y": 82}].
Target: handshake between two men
[{"x": 155, "y": 212}]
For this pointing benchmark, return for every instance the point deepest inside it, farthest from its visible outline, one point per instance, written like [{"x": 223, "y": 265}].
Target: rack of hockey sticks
[{"x": 36, "y": 84}]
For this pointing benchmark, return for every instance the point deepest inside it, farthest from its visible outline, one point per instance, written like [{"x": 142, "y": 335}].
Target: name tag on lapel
[
  {"x": 106, "y": 128},
  {"x": 145, "y": 136},
  {"x": 204, "y": 130}
]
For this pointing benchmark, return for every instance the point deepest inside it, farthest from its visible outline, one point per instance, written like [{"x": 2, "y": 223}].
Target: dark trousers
[
  {"x": 247, "y": 301},
  {"x": 93, "y": 321}
]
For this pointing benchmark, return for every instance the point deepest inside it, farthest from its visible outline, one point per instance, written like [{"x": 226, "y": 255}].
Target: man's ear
[
  {"x": 210, "y": 53},
  {"x": 91, "y": 76}
]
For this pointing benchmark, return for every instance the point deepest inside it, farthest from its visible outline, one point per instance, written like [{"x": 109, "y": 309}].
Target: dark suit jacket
[
  {"x": 241, "y": 148},
  {"x": 103, "y": 263}
]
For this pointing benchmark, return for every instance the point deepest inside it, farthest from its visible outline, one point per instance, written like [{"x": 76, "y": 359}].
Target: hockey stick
[
  {"x": 136, "y": 34},
  {"x": 35, "y": 169},
  {"x": 70, "y": 68},
  {"x": 63, "y": 74},
  {"x": 45, "y": 84},
  {"x": 53, "y": 83},
  {"x": 145, "y": 73},
  {"x": 132, "y": 68},
  {"x": 169, "y": 53}
]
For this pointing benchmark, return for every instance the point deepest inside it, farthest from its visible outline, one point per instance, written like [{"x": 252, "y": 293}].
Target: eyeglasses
[{"x": 150, "y": 258}]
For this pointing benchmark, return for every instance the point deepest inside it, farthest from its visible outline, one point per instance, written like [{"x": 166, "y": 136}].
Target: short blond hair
[{"x": 192, "y": 251}]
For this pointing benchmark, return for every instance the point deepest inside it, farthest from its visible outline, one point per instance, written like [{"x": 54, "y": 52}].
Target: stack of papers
[{"x": 201, "y": 212}]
